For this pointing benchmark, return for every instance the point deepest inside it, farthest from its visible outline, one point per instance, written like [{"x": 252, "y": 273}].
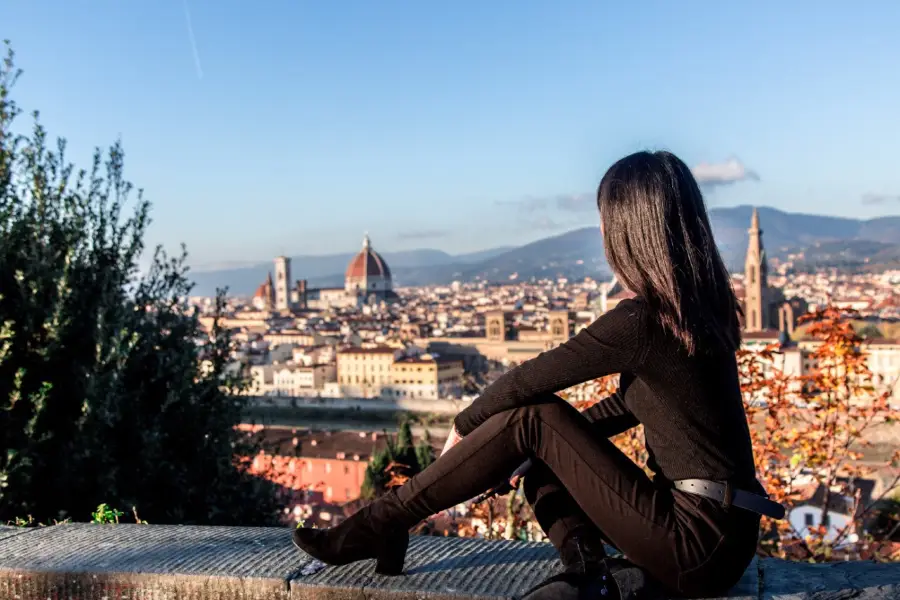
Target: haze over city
[{"x": 292, "y": 128}]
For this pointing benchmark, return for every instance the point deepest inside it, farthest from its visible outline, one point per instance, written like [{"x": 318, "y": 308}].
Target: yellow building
[
  {"x": 365, "y": 367},
  {"x": 426, "y": 370},
  {"x": 424, "y": 377}
]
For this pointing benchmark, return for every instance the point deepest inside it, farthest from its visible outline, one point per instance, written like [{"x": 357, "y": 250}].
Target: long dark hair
[{"x": 659, "y": 243}]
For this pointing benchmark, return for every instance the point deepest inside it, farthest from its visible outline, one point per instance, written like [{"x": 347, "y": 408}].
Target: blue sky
[{"x": 293, "y": 126}]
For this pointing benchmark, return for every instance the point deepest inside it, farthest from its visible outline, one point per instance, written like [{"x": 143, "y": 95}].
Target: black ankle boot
[
  {"x": 589, "y": 574},
  {"x": 584, "y": 574},
  {"x": 582, "y": 552},
  {"x": 379, "y": 530}
]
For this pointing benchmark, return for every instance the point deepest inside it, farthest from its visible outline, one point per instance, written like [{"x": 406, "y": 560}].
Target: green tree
[
  {"x": 102, "y": 395},
  {"x": 424, "y": 452},
  {"x": 404, "y": 450},
  {"x": 398, "y": 460},
  {"x": 870, "y": 331},
  {"x": 376, "y": 478}
]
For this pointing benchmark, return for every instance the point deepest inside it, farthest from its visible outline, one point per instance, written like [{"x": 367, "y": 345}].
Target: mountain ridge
[{"x": 579, "y": 252}]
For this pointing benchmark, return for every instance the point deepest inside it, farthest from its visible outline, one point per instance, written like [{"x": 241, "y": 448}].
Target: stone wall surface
[{"x": 161, "y": 562}]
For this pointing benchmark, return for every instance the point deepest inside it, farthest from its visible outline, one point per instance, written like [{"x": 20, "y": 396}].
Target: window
[
  {"x": 309, "y": 466},
  {"x": 328, "y": 467},
  {"x": 808, "y": 520},
  {"x": 826, "y": 520},
  {"x": 347, "y": 493},
  {"x": 329, "y": 492},
  {"x": 752, "y": 274},
  {"x": 346, "y": 470}
]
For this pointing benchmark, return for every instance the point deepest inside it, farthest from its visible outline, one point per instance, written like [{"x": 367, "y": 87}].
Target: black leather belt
[{"x": 728, "y": 496}]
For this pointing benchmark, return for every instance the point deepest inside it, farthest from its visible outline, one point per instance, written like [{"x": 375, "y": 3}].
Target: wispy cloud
[
  {"x": 423, "y": 234},
  {"x": 724, "y": 173},
  {"x": 555, "y": 212},
  {"x": 528, "y": 204},
  {"x": 563, "y": 202},
  {"x": 190, "y": 29},
  {"x": 576, "y": 202},
  {"x": 872, "y": 198}
]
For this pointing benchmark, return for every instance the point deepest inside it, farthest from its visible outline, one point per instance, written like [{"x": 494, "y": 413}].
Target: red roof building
[{"x": 368, "y": 273}]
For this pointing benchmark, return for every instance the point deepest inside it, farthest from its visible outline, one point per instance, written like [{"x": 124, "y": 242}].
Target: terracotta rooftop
[
  {"x": 324, "y": 444},
  {"x": 367, "y": 263}
]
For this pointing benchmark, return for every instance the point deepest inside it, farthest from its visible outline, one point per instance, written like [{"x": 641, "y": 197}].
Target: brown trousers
[{"x": 692, "y": 545}]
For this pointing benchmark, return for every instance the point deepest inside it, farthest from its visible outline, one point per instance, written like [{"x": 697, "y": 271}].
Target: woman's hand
[
  {"x": 452, "y": 440},
  {"x": 517, "y": 475}
]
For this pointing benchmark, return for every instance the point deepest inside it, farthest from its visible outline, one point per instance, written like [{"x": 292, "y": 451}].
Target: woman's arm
[
  {"x": 612, "y": 344},
  {"x": 610, "y": 416}
]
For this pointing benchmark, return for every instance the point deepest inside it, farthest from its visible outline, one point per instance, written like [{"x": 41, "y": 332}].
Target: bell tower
[
  {"x": 756, "y": 276},
  {"x": 282, "y": 283},
  {"x": 495, "y": 326},
  {"x": 560, "y": 326}
]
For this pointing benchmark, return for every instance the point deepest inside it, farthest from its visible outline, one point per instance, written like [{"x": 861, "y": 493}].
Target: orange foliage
[
  {"x": 807, "y": 431},
  {"x": 397, "y": 472}
]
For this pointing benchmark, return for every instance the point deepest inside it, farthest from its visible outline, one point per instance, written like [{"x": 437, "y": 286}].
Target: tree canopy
[{"x": 102, "y": 395}]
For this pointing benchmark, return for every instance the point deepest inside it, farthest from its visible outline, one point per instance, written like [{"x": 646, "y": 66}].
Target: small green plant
[
  {"x": 20, "y": 522},
  {"x": 137, "y": 519},
  {"x": 105, "y": 514}
]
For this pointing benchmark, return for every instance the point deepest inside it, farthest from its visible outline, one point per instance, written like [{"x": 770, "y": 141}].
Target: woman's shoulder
[
  {"x": 634, "y": 307},
  {"x": 629, "y": 315}
]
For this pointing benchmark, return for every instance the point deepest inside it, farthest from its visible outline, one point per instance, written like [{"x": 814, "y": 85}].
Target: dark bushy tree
[
  {"x": 425, "y": 452},
  {"x": 399, "y": 460},
  {"x": 102, "y": 395},
  {"x": 405, "y": 451},
  {"x": 376, "y": 478}
]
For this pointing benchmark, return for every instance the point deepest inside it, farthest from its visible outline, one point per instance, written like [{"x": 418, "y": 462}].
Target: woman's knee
[
  {"x": 539, "y": 481},
  {"x": 550, "y": 407},
  {"x": 536, "y": 479}
]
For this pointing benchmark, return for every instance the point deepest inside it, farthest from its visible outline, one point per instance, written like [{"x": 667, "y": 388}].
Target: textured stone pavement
[{"x": 130, "y": 562}]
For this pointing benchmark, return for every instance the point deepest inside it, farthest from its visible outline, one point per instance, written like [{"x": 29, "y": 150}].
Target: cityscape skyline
[{"x": 293, "y": 130}]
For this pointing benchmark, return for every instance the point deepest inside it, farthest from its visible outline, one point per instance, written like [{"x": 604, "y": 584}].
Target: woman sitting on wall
[{"x": 693, "y": 526}]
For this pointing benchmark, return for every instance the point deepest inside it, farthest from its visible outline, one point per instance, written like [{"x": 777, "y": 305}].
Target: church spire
[{"x": 756, "y": 282}]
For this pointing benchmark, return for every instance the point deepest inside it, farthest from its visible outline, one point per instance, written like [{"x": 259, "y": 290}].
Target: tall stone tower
[
  {"x": 756, "y": 280},
  {"x": 560, "y": 326},
  {"x": 282, "y": 283},
  {"x": 495, "y": 326}
]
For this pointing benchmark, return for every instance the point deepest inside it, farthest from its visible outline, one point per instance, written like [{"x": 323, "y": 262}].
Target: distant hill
[
  {"x": 328, "y": 270},
  {"x": 824, "y": 241},
  {"x": 849, "y": 255}
]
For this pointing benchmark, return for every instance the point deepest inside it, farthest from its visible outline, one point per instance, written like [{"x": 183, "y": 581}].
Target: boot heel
[{"x": 392, "y": 555}]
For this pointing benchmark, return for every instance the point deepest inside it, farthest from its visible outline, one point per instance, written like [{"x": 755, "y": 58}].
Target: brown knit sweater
[{"x": 690, "y": 405}]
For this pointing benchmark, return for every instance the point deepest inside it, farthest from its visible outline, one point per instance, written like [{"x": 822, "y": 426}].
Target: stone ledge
[{"x": 130, "y": 562}]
